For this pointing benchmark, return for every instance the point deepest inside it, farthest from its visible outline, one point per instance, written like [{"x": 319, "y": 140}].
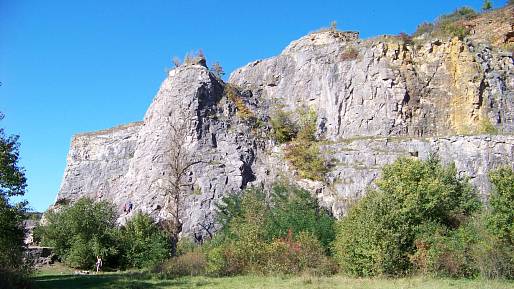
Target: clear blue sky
[{"x": 75, "y": 66}]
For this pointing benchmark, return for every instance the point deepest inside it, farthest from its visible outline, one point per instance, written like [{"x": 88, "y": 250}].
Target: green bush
[
  {"x": 311, "y": 257},
  {"x": 378, "y": 236},
  {"x": 487, "y": 5},
  {"x": 501, "y": 218},
  {"x": 304, "y": 152},
  {"x": 423, "y": 28},
  {"x": 463, "y": 13},
  {"x": 284, "y": 129},
  {"x": 143, "y": 243},
  {"x": 494, "y": 257},
  {"x": 449, "y": 24},
  {"x": 452, "y": 24},
  {"x": 294, "y": 209},
  {"x": 441, "y": 251},
  {"x": 185, "y": 245},
  {"x": 223, "y": 259},
  {"x": 454, "y": 29},
  {"x": 189, "y": 264},
  {"x": 259, "y": 230},
  {"x": 81, "y": 232},
  {"x": 308, "y": 160},
  {"x": 495, "y": 253},
  {"x": 301, "y": 254}
]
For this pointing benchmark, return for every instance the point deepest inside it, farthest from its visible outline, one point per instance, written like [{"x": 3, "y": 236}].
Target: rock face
[
  {"x": 381, "y": 87},
  {"x": 96, "y": 162},
  {"x": 127, "y": 164},
  {"x": 359, "y": 162},
  {"x": 375, "y": 99},
  {"x": 38, "y": 256}
]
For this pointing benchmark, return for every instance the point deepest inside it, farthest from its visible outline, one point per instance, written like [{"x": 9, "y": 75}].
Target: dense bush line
[
  {"x": 80, "y": 232},
  {"x": 265, "y": 232},
  {"x": 423, "y": 218}
]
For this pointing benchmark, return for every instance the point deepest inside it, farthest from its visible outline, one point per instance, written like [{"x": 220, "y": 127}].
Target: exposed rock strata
[{"x": 376, "y": 100}]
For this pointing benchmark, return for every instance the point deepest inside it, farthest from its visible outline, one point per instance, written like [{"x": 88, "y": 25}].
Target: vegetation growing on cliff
[
  {"x": 284, "y": 128},
  {"x": 298, "y": 131},
  {"x": 448, "y": 24},
  {"x": 235, "y": 97}
]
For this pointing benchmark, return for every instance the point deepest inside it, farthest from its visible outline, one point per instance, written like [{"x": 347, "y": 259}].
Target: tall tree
[
  {"x": 176, "y": 182},
  {"x": 12, "y": 183}
]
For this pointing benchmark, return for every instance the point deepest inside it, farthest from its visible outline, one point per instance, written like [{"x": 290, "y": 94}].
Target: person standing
[{"x": 98, "y": 263}]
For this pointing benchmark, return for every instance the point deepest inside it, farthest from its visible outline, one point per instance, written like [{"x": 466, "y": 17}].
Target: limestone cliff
[{"x": 376, "y": 100}]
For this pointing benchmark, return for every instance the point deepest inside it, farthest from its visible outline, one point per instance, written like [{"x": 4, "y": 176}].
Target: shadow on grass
[{"x": 112, "y": 281}]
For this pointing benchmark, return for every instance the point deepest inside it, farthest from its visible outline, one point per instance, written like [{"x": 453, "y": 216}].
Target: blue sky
[{"x": 75, "y": 66}]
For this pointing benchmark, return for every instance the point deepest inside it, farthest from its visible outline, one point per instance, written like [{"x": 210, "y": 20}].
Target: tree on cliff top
[
  {"x": 176, "y": 182},
  {"x": 12, "y": 183}
]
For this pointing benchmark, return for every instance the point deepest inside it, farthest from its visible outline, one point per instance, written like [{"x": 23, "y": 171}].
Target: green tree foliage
[
  {"x": 143, "y": 243},
  {"x": 12, "y": 176},
  {"x": 12, "y": 183},
  {"x": 304, "y": 151},
  {"x": 82, "y": 231},
  {"x": 269, "y": 232},
  {"x": 487, "y": 5},
  {"x": 294, "y": 209},
  {"x": 284, "y": 129},
  {"x": 501, "y": 217},
  {"x": 380, "y": 232}
]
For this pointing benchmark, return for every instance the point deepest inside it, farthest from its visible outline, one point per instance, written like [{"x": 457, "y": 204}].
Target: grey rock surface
[
  {"x": 96, "y": 161},
  {"x": 358, "y": 163},
  {"x": 38, "y": 256},
  {"x": 386, "y": 87},
  {"x": 376, "y": 100}
]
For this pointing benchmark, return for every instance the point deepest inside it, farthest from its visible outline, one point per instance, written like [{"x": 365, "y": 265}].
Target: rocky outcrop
[
  {"x": 38, "y": 256},
  {"x": 376, "y": 100},
  {"x": 359, "y": 162},
  {"x": 127, "y": 164},
  {"x": 96, "y": 162},
  {"x": 383, "y": 87},
  {"x": 220, "y": 142}
]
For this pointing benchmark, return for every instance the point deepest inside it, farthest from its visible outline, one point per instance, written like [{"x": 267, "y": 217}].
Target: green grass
[{"x": 62, "y": 278}]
